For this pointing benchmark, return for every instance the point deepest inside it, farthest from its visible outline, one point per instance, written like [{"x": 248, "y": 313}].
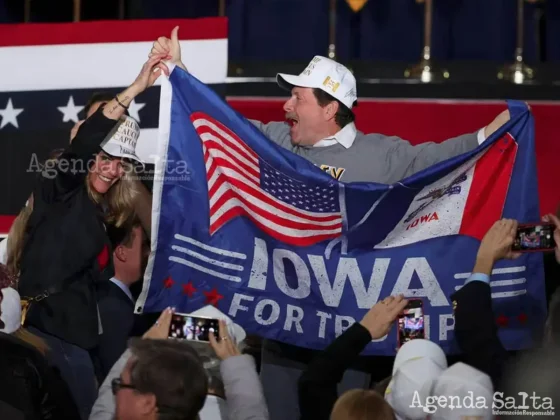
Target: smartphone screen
[
  {"x": 193, "y": 328},
  {"x": 410, "y": 323},
  {"x": 534, "y": 238}
]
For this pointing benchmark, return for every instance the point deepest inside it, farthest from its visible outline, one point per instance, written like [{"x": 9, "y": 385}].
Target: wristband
[{"x": 120, "y": 103}]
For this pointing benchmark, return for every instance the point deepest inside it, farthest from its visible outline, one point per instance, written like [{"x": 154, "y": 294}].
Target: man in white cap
[
  {"x": 320, "y": 127},
  {"x": 417, "y": 366}
]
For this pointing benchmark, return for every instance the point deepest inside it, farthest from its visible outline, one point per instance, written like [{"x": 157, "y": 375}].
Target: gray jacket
[
  {"x": 244, "y": 394},
  {"x": 372, "y": 157}
]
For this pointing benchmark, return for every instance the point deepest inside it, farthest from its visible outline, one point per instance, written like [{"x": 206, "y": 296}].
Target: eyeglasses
[{"x": 117, "y": 385}]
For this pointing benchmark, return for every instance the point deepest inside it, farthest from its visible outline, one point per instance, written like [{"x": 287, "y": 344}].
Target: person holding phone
[
  {"x": 245, "y": 399},
  {"x": 476, "y": 332},
  {"x": 66, "y": 251},
  {"x": 318, "y": 385}
]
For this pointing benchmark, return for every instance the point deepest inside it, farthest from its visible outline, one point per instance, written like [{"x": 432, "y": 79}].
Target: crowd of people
[{"x": 74, "y": 349}]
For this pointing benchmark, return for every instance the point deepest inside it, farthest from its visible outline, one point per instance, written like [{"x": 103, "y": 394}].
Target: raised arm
[
  {"x": 475, "y": 330},
  {"x": 411, "y": 159},
  {"x": 71, "y": 168},
  {"x": 317, "y": 386}
]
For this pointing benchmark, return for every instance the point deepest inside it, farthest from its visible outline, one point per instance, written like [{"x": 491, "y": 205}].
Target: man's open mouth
[{"x": 292, "y": 122}]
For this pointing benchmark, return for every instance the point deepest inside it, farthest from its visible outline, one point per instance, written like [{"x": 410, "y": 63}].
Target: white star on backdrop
[
  {"x": 133, "y": 109},
  {"x": 9, "y": 115},
  {"x": 70, "y": 111}
]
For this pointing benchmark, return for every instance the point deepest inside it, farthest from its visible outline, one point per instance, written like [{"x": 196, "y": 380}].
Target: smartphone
[
  {"x": 410, "y": 323},
  {"x": 534, "y": 238},
  {"x": 195, "y": 328}
]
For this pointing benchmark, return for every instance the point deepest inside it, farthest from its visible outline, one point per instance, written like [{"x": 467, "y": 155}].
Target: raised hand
[
  {"x": 496, "y": 245},
  {"x": 170, "y": 47},
  {"x": 149, "y": 73},
  {"x": 160, "y": 330},
  {"x": 225, "y": 347},
  {"x": 379, "y": 319}
]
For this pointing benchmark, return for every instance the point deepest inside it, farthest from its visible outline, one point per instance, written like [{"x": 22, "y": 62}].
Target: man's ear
[
  {"x": 120, "y": 253},
  {"x": 146, "y": 404},
  {"x": 330, "y": 110}
]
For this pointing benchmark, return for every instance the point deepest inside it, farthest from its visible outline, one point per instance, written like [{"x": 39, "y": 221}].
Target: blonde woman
[{"x": 66, "y": 250}]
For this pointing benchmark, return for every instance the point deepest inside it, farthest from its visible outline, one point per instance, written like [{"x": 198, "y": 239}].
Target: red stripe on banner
[
  {"x": 240, "y": 148},
  {"x": 214, "y": 145},
  {"x": 274, "y": 218},
  {"x": 489, "y": 187},
  {"x": 300, "y": 241},
  {"x": 239, "y": 186},
  {"x": 95, "y": 32},
  {"x": 6, "y": 223}
]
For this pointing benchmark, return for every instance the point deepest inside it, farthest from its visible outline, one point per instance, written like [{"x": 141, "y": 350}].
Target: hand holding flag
[{"x": 170, "y": 47}]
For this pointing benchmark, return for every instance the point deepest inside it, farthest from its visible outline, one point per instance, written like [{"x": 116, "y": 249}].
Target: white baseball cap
[
  {"x": 418, "y": 364},
  {"x": 420, "y": 348},
  {"x": 410, "y": 387},
  {"x": 327, "y": 75},
  {"x": 470, "y": 385},
  {"x": 10, "y": 310},
  {"x": 122, "y": 141}
]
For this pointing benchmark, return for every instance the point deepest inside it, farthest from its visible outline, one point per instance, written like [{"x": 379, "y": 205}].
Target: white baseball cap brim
[{"x": 289, "y": 81}]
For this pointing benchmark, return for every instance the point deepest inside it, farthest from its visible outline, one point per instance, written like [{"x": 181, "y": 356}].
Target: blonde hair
[
  {"x": 33, "y": 340},
  {"x": 119, "y": 201},
  {"x": 362, "y": 404}
]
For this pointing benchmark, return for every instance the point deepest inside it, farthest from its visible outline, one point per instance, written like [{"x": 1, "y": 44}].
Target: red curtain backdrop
[{"x": 436, "y": 120}]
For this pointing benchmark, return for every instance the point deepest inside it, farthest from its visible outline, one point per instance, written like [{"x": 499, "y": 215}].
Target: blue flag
[{"x": 292, "y": 254}]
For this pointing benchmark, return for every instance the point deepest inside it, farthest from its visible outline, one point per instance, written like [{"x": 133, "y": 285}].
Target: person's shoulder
[
  {"x": 13, "y": 348},
  {"x": 377, "y": 139}
]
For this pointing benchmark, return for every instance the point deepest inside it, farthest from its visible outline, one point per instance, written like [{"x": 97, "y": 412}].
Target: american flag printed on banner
[{"x": 241, "y": 183}]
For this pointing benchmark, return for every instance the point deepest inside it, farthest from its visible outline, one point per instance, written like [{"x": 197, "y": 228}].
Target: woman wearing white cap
[{"x": 66, "y": 248}]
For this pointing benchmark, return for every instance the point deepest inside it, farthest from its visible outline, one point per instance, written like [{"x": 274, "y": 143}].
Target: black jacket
[
  {"x": 30, "y": 386},
  {"x": 117, "y": 318},
  {"x": 476, "y": 332},
  {"x": 65, "y": 235},
  {"x": 318, "y": 385}
]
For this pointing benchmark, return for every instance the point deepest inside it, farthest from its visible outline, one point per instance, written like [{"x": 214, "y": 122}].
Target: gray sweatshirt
[
  {"x": 245, "y": 398},
  {"x": 372, "y": 157}
]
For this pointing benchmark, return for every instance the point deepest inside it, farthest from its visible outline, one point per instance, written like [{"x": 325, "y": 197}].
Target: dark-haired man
[
  {"x": 115, "y": 300},
  {"x": 320, "y": 127},
  {"x": 161, "y": 379}
]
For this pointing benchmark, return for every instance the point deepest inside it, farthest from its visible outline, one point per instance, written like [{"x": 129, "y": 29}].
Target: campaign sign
[{"x": 294, "y": 255}]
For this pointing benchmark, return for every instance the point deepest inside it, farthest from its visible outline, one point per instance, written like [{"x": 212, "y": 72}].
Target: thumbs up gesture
[{"x": 170, "y": 47}]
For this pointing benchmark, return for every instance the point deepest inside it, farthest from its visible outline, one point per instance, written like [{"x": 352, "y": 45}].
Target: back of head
[
  {"x": 467, "y": 392},
  {"x": 173, "y": 373},
  {"x": 362, "y": 404},
  {"x": 418, "y": 364}
]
